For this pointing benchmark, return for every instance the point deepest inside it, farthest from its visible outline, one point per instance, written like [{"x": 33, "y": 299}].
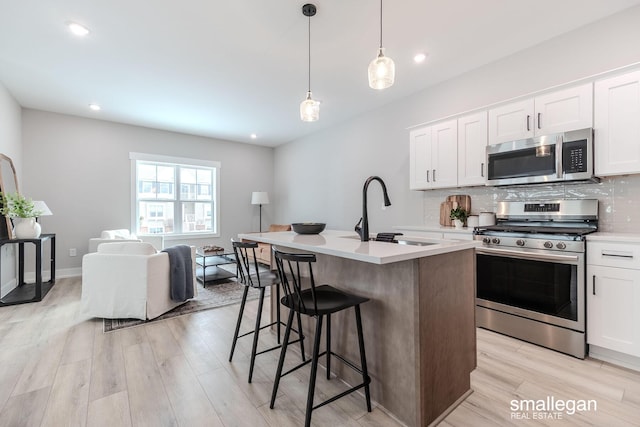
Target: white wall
[
  {"x": 10, "y": 130},
  {"x": 10, "y": 145},
  {"x": 81, "y": 168},
  {"x": 322, "y": 174}
]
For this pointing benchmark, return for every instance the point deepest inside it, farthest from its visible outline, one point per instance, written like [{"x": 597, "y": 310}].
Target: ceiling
[{"x": 228, "y": 68}]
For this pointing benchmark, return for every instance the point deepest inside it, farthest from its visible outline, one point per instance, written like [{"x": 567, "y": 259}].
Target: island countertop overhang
[{"x": 346, "y": 244}]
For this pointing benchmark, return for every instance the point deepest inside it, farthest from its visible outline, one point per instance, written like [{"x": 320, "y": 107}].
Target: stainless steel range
[{"x": 531, "y": 272}]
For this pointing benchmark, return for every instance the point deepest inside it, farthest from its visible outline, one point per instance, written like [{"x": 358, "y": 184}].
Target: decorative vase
[
  {"x": 457, "y": 223},
  {"x": 26, "y": 228}
]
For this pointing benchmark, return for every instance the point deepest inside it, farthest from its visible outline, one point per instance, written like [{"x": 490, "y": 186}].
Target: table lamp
[
  {"x": 42, "y": 208},
  {"x": 260, "y": 198}
]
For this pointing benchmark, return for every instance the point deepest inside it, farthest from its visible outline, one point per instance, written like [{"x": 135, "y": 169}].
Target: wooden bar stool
[
  {"x": 316, "y": 301},
  {"x": 256, "y": 279}
]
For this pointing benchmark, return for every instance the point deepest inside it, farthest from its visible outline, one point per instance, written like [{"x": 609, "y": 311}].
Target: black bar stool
[
  {"x": 259, "y": 281},
  {"x": 316, "y": 301}
]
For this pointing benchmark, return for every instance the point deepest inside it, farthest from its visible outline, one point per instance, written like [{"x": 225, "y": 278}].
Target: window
[{"x": 174, "y": 195}]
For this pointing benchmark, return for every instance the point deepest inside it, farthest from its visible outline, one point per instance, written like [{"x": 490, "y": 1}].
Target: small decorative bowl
[{"x": 308, "y": 227}]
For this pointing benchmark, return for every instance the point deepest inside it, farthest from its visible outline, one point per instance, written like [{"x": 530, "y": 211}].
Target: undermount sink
[
  {"x": 414, "y": 243},
  {"x": 400, "y": 241}
]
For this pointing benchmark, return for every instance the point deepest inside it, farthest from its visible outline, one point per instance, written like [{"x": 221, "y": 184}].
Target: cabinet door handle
[
  {"x": 593, "y": 288},
  {"x": 427, "y": 175},
  {"x": 618, "y": 254},
  {"x": 539, "y": 121},
  {"x": 434, "y": 175},
  {"x": 482, "y": 170},
  {"x": 528, "y": 120}
]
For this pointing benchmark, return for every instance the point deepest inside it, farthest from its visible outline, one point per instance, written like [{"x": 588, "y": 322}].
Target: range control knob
[
  {"x": 496, "y": 240},
  {"x": 520, "y": 242},
  {"x": 548, "y": 245},
  {"x": 561, "y": 245},
  {"x": 486, "y": 240}
]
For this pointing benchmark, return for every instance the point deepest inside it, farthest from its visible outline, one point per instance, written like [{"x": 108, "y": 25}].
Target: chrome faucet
[{"x": 363, "y": 231}]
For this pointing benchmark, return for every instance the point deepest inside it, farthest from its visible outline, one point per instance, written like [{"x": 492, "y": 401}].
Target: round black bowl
[{"x": 308, "y": 227}]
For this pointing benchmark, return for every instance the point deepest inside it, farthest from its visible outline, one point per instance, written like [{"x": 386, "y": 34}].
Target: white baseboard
[
  {"x": 614, "y": 357},
  {"x": 8, "y": 287},
  {"x": 60, "y": 274}
]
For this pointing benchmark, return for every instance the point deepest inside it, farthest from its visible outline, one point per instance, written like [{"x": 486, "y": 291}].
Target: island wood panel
[
  {"x": 389, "y": 329},
  {"x": 447, "y": 331},
  {"x": 414, "y": 376}
]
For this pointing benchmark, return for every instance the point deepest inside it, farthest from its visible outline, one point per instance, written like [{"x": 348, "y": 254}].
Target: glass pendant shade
[
  {"x": 382, "y": 71},
  {"x": 309, "y": 109}
]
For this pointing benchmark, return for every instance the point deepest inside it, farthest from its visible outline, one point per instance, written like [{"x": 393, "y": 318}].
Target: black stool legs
[
  {"x": 363, "y": 359},
  {"x": 283, "y": 351},
  {"x": 235, "y": 335},
  {"x": 314, "y": 363},
  {"x": 258, "y": 327},
  {"x": 314, "y": 370},
  {"x": 329, "y": 346},
  {"x": 256, "y": 334}
]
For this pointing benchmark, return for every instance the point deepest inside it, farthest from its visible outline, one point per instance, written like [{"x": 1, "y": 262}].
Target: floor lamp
[{"x": 260, "y": 198}]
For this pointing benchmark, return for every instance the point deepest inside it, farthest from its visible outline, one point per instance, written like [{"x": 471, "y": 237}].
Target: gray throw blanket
[{"x": 180, "y": 272}]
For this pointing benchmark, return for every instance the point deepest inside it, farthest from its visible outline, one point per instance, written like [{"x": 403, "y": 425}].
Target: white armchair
[
  {"x": 124, "y": 235},
  {"x": 128, "y": 280}
]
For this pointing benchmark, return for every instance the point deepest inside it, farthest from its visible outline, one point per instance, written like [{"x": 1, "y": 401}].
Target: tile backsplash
[{"x": 619, "y": 198}]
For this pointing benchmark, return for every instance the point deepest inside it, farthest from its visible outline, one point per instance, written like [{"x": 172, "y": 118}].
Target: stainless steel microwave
[{"x": 564, "y": 156}]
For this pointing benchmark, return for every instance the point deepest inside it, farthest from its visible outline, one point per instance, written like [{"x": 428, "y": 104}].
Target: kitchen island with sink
[{"x": 419, "y": 325}]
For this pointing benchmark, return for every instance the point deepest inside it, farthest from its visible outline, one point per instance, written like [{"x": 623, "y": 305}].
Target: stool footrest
[
  {"x": 343, "y": 394},
  {"x": 278, "y": 346},
  {"x": 348, "y": 363},
  {"x": 345, "y": 361},
  {"x": 267, "y": 326}
]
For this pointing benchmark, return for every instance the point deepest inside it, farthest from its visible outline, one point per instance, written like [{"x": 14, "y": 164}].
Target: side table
[
  {"x": 30, "y": 292},
  {"x": 208, "y": 262}
]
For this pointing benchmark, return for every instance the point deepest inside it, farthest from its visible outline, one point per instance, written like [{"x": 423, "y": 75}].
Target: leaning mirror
[{"x": 8, "y": 185}]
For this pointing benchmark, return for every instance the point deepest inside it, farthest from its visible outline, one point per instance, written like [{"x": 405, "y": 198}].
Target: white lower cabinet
[{"x": 613, "y": 297}]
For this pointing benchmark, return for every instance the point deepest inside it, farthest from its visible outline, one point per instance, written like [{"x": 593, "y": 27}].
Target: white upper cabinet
[
  {"x": 559, "y": 111},
  {"x": 445, "y": 154},
  {"x": 419, "y": 158},
  {"x": 472, "y": 144},
  {"x": 433, "y": 156},
  {"x": 564, "y": 110},
  {"x": 511, "y": 122},
  {"x": 617, "y": 125}
]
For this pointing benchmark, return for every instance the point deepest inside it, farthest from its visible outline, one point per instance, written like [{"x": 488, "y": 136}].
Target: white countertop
[
  {"x": 347, "y": 244},
  {"x": 614, "y": 237}
]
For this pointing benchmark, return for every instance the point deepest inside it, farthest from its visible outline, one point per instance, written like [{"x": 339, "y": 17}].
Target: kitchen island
[{"x": 419, "y": 325}]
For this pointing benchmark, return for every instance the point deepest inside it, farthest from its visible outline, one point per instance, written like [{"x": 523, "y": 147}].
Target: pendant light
[
  {"x": 309, "y": 108},
  {"x": 382, "y": 70}
]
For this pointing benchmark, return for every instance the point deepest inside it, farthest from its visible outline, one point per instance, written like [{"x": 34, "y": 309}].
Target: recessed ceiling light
[
  {"x": 77, "y": 29},
  {"x": 420, "y": 57},
  {"x": 95, "y": 107},
  {"x": 254, "y": 136}
]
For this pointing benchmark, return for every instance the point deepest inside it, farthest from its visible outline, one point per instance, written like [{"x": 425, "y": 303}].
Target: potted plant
[
  {"x": 23, "y": 213},
  {"x": 459, "y": 216}
]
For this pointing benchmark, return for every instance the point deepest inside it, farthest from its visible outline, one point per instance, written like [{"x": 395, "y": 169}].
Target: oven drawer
[{"x": 610, "y": 254}]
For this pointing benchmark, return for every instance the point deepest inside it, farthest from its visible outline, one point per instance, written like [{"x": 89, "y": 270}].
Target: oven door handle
[
  {"x": 559, "y": 164},
  {"x": 528, "y": 255}
]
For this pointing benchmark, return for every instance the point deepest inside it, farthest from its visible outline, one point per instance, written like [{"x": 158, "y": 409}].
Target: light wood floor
[{"x": 57, "y": 368}]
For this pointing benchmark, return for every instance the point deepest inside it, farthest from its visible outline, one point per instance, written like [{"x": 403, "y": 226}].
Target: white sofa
[
  {"x": 124, "y": 235},
  {"x": 127, "y": 280}
]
